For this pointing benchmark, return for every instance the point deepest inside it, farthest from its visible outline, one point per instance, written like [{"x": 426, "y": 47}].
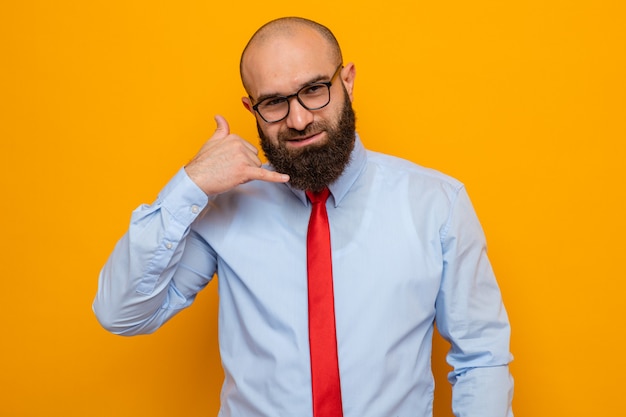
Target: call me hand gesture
[{"x": 226, "y": 161}]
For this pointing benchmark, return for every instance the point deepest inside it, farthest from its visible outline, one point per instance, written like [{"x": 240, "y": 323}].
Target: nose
[{"x": 299, "y": 117}]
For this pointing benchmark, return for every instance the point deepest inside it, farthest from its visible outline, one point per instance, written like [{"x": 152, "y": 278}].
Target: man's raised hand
[{"x": 226, "y": 161}]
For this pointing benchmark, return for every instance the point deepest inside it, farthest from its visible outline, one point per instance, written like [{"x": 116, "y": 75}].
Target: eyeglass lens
[{"x": 311, "y": 97}]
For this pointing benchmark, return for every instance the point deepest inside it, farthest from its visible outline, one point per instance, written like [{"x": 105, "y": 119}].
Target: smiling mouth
[
  {"x": 309, "y": 138},
  {"x": 300, "y": 139}
]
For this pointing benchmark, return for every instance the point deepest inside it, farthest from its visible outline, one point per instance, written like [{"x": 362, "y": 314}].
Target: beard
[{"x": 316, "y": 166}]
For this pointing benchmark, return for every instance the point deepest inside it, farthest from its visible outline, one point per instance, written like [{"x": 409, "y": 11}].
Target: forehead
[{"x": 282, "y": 63}]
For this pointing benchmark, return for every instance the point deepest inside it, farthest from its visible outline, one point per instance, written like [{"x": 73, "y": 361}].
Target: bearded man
[{"x": 334, "y": 262}]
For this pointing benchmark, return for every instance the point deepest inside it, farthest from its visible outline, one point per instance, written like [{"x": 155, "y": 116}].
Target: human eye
[
  {"x": 313, "y": 89},
  {"x": 273, "y": 101}
]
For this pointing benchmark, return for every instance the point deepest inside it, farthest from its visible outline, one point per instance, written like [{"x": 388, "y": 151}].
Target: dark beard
[{"x": 314, "y": 167}]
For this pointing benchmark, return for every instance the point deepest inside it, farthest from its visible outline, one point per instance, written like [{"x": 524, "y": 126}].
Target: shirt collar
[{"x": 342, "y": 185}]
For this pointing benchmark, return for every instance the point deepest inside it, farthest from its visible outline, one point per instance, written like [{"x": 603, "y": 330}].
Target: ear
[
  {"x": 247, "y": 103},
  {"x": 348, "y": 74}
]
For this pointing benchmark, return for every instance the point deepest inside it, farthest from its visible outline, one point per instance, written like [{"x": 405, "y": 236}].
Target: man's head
[{"x": 313, "y": 142}]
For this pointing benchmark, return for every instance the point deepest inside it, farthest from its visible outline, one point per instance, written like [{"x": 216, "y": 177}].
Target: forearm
[
  {"x": 483, "y": 392},
  {"x": 137, "y": 288}
]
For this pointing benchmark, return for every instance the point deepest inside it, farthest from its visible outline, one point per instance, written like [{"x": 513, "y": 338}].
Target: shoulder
[{"x": 396, "y": 169}]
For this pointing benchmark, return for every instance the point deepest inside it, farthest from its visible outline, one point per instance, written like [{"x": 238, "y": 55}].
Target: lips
[
  {"x": 300, "y": 139},
  {"x": 306, "y": 140}
]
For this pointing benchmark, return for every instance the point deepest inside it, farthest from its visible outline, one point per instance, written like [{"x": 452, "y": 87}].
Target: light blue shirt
[{"x": 408, "y": 251}]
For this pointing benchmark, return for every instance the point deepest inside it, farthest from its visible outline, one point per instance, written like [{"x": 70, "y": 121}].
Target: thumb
[{"x": 222, "y": 129}]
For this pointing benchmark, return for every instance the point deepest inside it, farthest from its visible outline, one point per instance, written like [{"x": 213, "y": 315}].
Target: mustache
[{"x": 310, "y": 130}]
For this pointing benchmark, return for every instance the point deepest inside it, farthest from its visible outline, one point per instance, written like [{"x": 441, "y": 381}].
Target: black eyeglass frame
[{"x": 288, "y": 98}]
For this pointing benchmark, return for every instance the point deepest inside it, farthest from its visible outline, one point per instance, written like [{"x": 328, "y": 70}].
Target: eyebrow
[{"x": 316, "y": 79}]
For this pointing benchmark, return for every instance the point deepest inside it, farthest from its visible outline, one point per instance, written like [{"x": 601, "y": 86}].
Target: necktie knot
[{"x": 316, "y": 197}]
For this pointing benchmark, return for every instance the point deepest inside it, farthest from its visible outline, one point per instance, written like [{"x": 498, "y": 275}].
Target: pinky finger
[{"x": 263, "y": 174}]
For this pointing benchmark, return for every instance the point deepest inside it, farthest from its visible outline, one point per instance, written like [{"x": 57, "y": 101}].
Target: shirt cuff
[{"x": 182, "y": 198}]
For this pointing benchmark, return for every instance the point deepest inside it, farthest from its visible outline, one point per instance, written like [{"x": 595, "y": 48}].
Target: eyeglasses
[{"x": 313, "y": 96}]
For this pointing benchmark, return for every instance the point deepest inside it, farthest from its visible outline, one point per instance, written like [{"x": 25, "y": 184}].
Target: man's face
[
  {"x": 312, "y": 146},
  {"x": 316, "y": 165}
]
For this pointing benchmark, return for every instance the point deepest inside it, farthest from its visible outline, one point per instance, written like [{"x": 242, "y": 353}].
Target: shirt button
[
  {"x": 169, "y": 245},
  {"x": 195, "y": 209}
]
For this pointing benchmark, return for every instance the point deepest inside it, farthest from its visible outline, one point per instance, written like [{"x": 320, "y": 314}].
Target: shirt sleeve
[
  {"x": 145, "y": 282},
  {"x": 472, "y": 317}
]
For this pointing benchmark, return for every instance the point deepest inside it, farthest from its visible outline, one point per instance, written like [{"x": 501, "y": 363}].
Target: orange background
[{"x": 102, "y": 102}]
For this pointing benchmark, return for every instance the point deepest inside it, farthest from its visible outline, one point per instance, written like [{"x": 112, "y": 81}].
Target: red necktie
[{"x": 322, "y": 334}]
